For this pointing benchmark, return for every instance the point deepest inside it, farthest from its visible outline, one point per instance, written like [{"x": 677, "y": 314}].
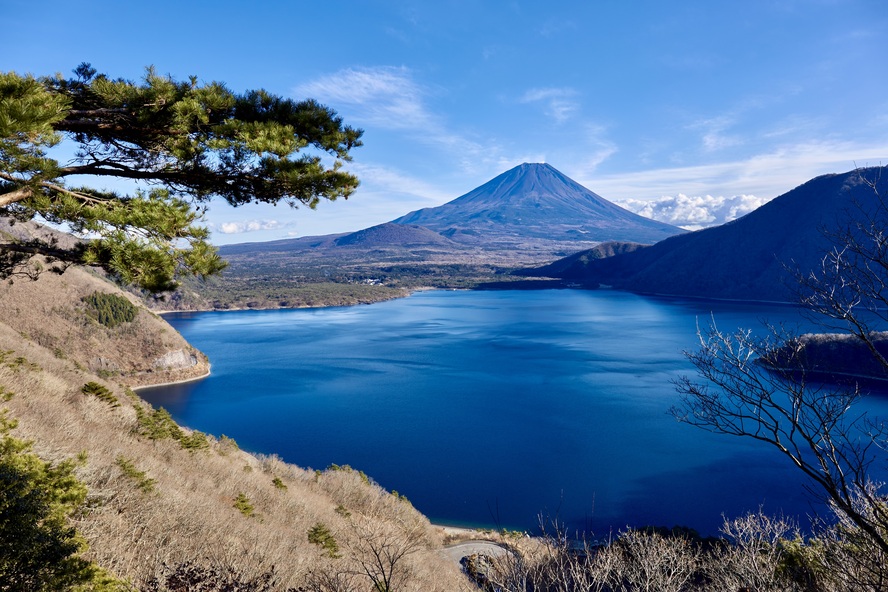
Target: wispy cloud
[
  {"x": 383, "y": 96},
  {"x": 559, "y": 103},
  {"x": 395, "y": 184},
  {"x": 246, "y": 226},
  {"x": 713, "y": 133},
  {"x": 599, "y": 147},
  {"x": 505, "y": 163},
  {"x": 555, "y": 26},
  {"x": 389, "y": 98},
  {"x": 767, "y": 174}
]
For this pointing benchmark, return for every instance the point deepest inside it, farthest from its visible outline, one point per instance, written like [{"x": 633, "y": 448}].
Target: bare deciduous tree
[
  {"x": 382, "y": 551},
  {"x": 850, "y": 559},
  {"x": 759, "y": 387},
  {"x": 811, "y": 424},
  {"x": 849, "y": 291}
]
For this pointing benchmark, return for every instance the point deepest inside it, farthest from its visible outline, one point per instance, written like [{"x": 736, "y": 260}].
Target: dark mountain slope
[
  {"x": 394, "y": 235},
  {"x": 382, "y": 235},
  {"x": 568, "y": 267},
  {"x": 536, "y": 201},
  {"x": 303, "y": 243},
  {"x": 746, "y": 258}
]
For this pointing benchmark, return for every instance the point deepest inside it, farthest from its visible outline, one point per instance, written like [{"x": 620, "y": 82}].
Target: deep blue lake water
[{"x": 492, "y": 408}]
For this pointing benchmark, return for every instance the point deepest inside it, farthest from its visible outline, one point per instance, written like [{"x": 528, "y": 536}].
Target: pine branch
[{"x": 15, "y": 195}]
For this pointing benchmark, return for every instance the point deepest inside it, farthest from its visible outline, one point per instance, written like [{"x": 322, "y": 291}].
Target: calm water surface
[{"x": 490, "y": 408}]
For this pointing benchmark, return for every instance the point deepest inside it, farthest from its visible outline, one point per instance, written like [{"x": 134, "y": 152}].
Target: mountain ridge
[{"x": 745, "y": 259}]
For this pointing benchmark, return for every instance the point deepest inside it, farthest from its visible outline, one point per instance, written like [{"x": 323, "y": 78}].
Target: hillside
[
  {"x": 394, "y": 235},
  {"x": 747, "y": 259},
  {"x": 52, "y": 313},
  {"x": 567, "y": 266},
  {"x": 161, "y": 496}
]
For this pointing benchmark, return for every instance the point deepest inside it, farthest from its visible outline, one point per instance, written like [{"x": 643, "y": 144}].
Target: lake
[{"x": 492, "y": 408}]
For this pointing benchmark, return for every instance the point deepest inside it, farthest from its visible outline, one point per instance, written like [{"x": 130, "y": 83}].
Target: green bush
[
  {"x": 227, "y": 445},
  {"x": 39, "y": 549},
  {"x": 17, "y": 363},
  {"x": 100, "y": 392},
  {"x": 195, "y": 441},
  {"x": 110, "y": 310},
  {"x": 321, "y": 536},
  {"x": 157, "y": 424},
  {"x": 278, "y": 483},
  {"x": 242, "y": 503},
  {"x": 400, "y": 496},
  {"x": 342, "y": 511},
  {"x": 349, "y": 469},
  {"x": 142, "y": 480}
]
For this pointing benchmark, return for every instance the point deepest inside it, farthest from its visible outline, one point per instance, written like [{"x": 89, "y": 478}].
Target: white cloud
[
  {"x": 767, "y": 174},
  {"x": 504, "y": 162},
  {"x": 246, "y": 226},
  {"x": 560, "y": 103},
  {"x": 600, "y": 147},
  {"x": 383, "y": 96},
  {"x": 552, "y": 27},
  {"x": 694, "y": 212}
]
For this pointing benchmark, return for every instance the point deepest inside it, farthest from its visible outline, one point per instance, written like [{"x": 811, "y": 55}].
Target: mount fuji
[{"x": 536, "y": 201}]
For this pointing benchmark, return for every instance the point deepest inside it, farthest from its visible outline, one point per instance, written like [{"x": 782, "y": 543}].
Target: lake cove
[{"x": 492, "y": 408}]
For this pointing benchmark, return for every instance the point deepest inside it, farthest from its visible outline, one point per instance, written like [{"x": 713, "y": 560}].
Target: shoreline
[
  {"x": 302, "y": 307},
  {"x": 432, "y": 288},
  {"x": 173, "y": 382}
]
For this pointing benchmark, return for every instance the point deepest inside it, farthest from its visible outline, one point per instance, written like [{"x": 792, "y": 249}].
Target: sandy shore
[
  {"x": 183, "y": 381},
  {"x": 457, "y": 534}
]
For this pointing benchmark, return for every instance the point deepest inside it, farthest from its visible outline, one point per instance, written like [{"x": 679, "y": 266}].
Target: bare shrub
[
  {"x": 756, "y": 555},
  {"x": 849, "y": 558}
]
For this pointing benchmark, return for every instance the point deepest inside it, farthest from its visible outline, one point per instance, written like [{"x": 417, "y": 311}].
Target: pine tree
[
  {"x": 39, "y": 550},
  {"x": 190, "y": 141}
]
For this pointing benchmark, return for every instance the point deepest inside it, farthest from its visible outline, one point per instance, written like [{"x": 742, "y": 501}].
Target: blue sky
[{"x": 692, "y": 112}]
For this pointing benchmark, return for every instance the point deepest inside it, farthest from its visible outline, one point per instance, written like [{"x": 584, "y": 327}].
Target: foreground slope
[
  {"x": 750, "y": 258},
  {"x": 161, "y": 496}
]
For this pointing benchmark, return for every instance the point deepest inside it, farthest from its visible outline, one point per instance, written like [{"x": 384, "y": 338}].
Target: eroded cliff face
[
  {"x": 51, "y": 312},
  {"x": 176, "y": 360}
]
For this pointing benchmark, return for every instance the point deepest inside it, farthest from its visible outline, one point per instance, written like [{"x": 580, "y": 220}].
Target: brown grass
[
  {"x": 190, "y": 514},
  {"x": 50, "y": 313}
]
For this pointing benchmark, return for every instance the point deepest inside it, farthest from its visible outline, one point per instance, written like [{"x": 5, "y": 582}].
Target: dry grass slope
[
  {"x": 154, "y": 503},
  {"x": 50, "y": 312}
]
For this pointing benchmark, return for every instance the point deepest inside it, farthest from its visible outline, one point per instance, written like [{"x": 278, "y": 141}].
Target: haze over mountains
[{"x": 747, "y": 259}]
